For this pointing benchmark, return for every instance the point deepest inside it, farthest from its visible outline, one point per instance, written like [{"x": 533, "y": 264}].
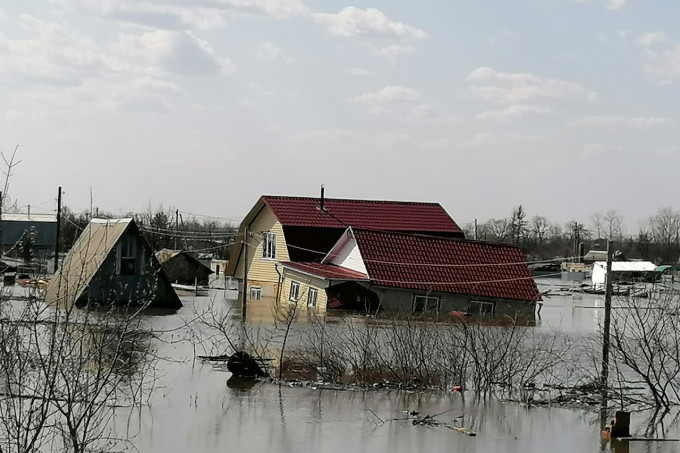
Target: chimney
[{"x": 322, "y": 201}]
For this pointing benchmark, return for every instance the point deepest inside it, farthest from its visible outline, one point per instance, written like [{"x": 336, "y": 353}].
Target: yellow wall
[
  {"x": 306, "y": 282},
  {"x": 262, "y": 270}
]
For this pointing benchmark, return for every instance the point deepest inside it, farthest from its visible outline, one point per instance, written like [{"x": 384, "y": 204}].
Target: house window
[
  {"x": 217, "y": 270},
  {"x": 294, "y": 291},
  {"x": 269, "y": 245},
  {"x": 422, "y": 303},
  {"x": 480, "y": 307},
  {"x": 128, "y": 256},
  {"x": 255, "y": 293},
  {"x": 311, "y": 297}
]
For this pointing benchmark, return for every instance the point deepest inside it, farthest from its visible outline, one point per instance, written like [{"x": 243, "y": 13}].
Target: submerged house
[
  {"x": 183, "y": 268},
  {"x": 41, "y": 228},
  {"x": 412, "y": 273},
  {"x": 111, "y": 263},
  {"x": 327, "y": 253},
  {"x": 302, "y": 229}
]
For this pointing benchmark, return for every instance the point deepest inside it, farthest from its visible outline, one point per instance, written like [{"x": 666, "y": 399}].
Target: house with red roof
[
  {"x": 414, "y": 273},
  {"x": 282, "y": 229},
  {"x": 364, "y": 254}
]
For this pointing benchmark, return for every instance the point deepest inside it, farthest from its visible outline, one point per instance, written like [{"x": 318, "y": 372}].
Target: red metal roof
[
  {"x": 375, "y": 215},
  {"x": 446, "y": 265},
  {"x": 329, "y": 271}
]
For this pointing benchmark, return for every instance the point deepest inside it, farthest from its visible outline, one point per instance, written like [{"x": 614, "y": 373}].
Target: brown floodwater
[{"x": 197, "y": 408}]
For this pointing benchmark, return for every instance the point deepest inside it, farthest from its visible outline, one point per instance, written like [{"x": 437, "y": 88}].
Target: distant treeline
[
  {"x": 657, "y": 238},
  {"x": 162, "y": 228}
]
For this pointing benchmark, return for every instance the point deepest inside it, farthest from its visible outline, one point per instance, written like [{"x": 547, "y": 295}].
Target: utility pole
[
  {"x": 176, "y": 226},
  {"x": 245, "y": 272},
  {"x": 476, "y": 236},
  {"x": 607, "y": 321},
  {"x": 58, "y": 238}
]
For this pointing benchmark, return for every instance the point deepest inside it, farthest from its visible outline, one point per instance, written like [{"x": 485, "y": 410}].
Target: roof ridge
[
  {"x": 438, "y": 238},
  {"x": 353, "y": 200}
]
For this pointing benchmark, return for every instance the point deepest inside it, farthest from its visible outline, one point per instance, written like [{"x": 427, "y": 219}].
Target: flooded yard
[{"x": 197, "y": 407}]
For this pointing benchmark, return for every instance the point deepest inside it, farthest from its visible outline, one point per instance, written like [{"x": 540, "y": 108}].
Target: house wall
[
  {"x": 349, "y": 256},
  {"x": 182, "y": 270},
  {"x": 262, "y": 271},
  {"x": 306, "y": 282},
  {"x": 109, "y": 286},
  {"x": 401, "y": 300}
]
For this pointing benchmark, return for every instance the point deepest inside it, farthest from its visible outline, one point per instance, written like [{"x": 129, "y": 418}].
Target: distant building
[
  {"x": 41, "y": 227},
  {"x": 182, "y": 267},
  {"x": 111, "y": 263},
  {"x": 623, "y": 271}
]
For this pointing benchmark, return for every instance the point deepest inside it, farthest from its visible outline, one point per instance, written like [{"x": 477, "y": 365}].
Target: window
[
  {"x": 127, "y": 253},
  {"x": 217, "y": 270},
  {"x": 255, "y": 293},
  {"x": 480, "y": 307},
  {"x": 269, "y": 245},
  {"x": 422, "y": 303},
  {"x": 294, "y": 291},
  {"x": 311, "y": 297}
]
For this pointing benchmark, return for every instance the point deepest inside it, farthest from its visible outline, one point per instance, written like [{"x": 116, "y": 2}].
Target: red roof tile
[
  {"x": 375, "y": 215},
  {"x": 329, "y": 271},
  {"x": 446, "y": 265}
]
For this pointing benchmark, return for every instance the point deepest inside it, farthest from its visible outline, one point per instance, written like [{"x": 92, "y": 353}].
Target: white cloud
[
  {"x": 621, "y": 122},
  {"x": 266, "y": 92},
  {"x": 175, "y": 52},
  {"x": 358, "y": 71},
  {"x": 353, "y": 21},
  {"x": 592, "y": 150},
  {"x": 398, "y": 102},
  {"x": 653, "y": 38},
  {"x": 389, "y": 95},
  {"x": 514, "y": 111},
  {"x": 616, "y": 5},
  {"x": 268, "y": 51},
  {"x": 490, "y": 139},
  {"x": 168, "y": 14},
  {"x": 492, "y": 85},
  {"x": 392, "y": 52}
]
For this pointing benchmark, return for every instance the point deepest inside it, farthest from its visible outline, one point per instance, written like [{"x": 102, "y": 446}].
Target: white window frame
[
  {"x": 429, "y": 301},
  {"x": 481, "y": 304},
  {"x": 294, "y": 291},
  {"x": 257, "y": 290},
  {"x": 269, "y": 245},
  {"x": 312, "y": 296}
]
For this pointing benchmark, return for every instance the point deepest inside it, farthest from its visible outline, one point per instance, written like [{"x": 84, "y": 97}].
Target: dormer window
[{"x": 269, "y": 245}]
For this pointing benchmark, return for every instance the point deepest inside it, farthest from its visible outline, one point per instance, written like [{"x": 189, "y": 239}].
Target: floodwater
[{"x": 197, "y": 408}]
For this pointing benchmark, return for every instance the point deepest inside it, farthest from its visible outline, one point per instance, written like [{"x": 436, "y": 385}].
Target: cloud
[
  {"x": 392, "y": 52},
  {"x": 593, "y": 150},
  {"x": 490, "y": 139},
  {"x": 492, "y": 85},
  {"x": 663, "y": 57},
  {"x": 514, "y": 111},
  {"x": 265, "y": 92},
  {"x": 653, "y": 38},
  {"x": 167, "y": 14},
  {"x": 268, "y": 51},
  {"x": 358, "y": 71},
  {"x": 400, "y": 102},
  {"x": 615, "y": 5},
  {"x": 621, "y": 122},
  {"x": 352, "y": 21},
  {"x": 390, "y": 95},
  {"x": 175, "y": 52}
]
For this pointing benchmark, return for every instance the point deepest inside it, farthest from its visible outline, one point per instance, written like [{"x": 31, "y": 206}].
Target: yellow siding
[
  {"x": 262, "y": 270},
  {"x": 306, "y": 282}
]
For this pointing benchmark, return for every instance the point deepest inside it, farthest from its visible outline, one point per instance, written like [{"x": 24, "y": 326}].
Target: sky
[{"x": 567, "y": 107}]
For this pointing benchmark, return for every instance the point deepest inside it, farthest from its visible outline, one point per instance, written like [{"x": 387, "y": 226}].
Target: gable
[{"x": 346, "y": 254}]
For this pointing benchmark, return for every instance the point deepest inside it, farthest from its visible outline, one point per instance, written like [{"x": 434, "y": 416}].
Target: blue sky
[{"x": 568, "y": 107}]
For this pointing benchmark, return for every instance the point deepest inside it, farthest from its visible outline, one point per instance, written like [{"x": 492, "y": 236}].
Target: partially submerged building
[
  {"x": 302, "y": 229},
  {"x": 363, "y": 254},
  {"x": 412, "y": 273},
  {"x": 39, "y": 229},
  {"x": 182, "y": 267},
  {"x": 624, "y": 271},
  {"x": 111, "y": 263}
]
